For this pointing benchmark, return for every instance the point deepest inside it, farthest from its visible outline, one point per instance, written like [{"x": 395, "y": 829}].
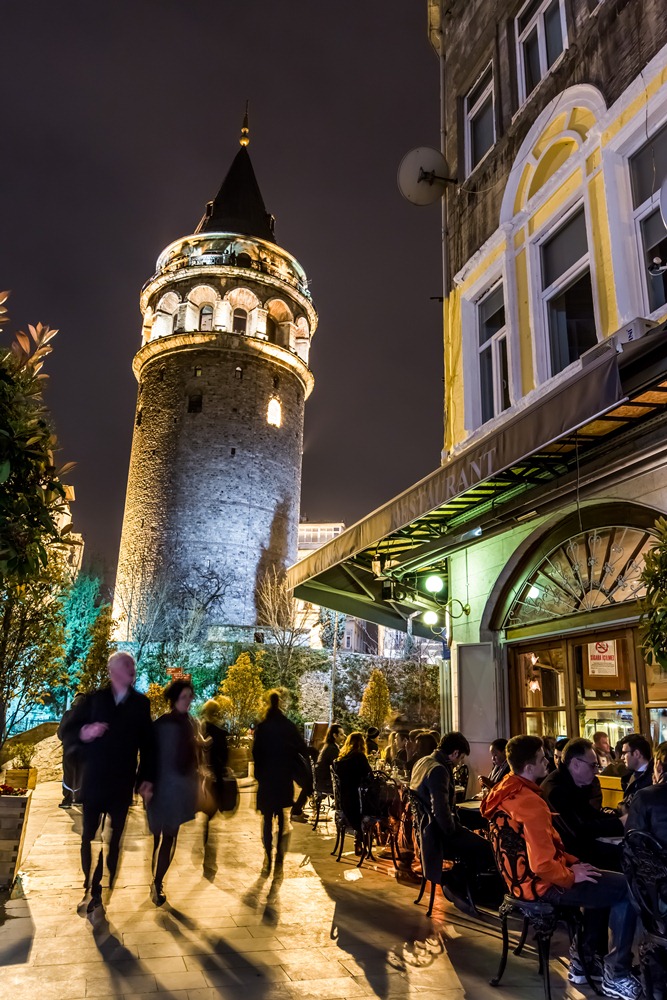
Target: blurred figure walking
[
  {"x": 174, "y": 800},
  {"x": 216, "y": 753},
  {"x": 107, "y": 729},
  {"x": 276, "y": 749}
]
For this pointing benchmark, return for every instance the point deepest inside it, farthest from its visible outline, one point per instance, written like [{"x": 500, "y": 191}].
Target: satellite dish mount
[{"x": 422, "y": 176}]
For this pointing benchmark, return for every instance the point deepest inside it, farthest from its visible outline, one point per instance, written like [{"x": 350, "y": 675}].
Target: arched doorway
[{"x": 568, "y": 616}]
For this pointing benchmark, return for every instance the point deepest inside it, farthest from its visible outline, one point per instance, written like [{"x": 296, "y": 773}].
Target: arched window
[
  {"x": 238, "y": 373},
  {"x": 174, "y": 322},
  {"x": 240, "y": 321},
  {"x": 271, "y": 329},
  {"x": 274, "y": 413},
  {"x": 244, "y": 260},
  {"x": 206, "y": 318}
]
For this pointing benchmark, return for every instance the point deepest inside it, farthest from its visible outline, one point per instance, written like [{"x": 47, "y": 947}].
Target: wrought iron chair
[
  {"x": 420, "y": 817},
  {"x": 343, "y": 825},
  {"x": 645, "y": 867},
  {"x": 376, "y": 795},
  {"x": 509, "y": 848},
  {"x": 321, "y": 797}
]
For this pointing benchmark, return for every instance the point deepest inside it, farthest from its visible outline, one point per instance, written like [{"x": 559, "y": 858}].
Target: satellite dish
[
  {"x": 422, "y": 176},
  {"x": 663, "y": 201}
]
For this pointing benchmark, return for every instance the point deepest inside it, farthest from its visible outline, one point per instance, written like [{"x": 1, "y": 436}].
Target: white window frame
[
  {"x": 470, "y": 113},
  {"x": 567, "y": 278},
  {"x": 638, "y": 215},
  {"x": 521, "y": 37},
  {"x": 493, "y": 345}
]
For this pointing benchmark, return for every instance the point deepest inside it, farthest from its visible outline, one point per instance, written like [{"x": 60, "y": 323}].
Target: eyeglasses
[{"x": 593, "y": 764}]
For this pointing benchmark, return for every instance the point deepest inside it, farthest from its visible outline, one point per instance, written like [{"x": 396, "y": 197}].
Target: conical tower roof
[{"x": 238, "y": 206}]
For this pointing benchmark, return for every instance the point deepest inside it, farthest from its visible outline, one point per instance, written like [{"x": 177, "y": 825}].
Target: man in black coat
[
  {"x": 432, "y": 781},
  {"x": 574, "y": 796},
  {"x": 636, "y": 753},
  {"x": 108, "y": 729}
]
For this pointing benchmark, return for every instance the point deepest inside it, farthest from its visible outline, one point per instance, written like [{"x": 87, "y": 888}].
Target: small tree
[
  {"x": 375, "y": 704},
  {"x": 93, "y": 673},
  {"x": 286, "y": 620},
  {"x": 654, "y": 604},
  {"x": 155, "y": 695},
  {"x": 31, "y": 644},
  {"x": 243, "y": 686}
]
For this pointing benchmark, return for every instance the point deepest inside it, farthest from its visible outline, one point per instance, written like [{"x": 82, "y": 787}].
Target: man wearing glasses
[
  {"x": 575, "y": 798},
  {"x": 637, "y": 757}
]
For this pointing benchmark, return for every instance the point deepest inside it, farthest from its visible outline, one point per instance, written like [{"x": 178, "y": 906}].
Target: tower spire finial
[{"x": 245, "y": 130}]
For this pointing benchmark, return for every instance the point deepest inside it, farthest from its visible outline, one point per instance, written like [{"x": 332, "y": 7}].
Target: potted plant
[
  {"x": 14, "y": 807},
  {"x": 21, "y": 774}
]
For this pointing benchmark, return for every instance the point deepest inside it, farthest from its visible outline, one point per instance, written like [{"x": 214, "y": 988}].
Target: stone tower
[{"x": 215, "y": 472}]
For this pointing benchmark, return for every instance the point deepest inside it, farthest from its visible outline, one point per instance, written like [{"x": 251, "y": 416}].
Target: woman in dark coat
[
  {"x": 174, "y": 800},
  {"x": 333, "y": 740},
  {"x": 276, "y": 748},
  {"x": 352, "y": 767}
]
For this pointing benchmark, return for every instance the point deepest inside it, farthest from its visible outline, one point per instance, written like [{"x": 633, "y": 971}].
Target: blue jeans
[{"x": 611, "y": 893}]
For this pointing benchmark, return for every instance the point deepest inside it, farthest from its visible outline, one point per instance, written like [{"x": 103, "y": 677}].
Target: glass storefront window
[
  {"x": 658, "y": 725},
  {"x": 616, "y": 723},
  {"x": 603, "y": 671},
  {"x": 656, "y": 682},
  {"x": 541, "y": 682}
]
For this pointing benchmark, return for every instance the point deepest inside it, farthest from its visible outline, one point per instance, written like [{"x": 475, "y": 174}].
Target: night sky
[{"x": 120, "y": 119}]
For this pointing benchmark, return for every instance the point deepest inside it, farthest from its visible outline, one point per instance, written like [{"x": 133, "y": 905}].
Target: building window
[
  {"x": 198, "y": 371},
  {"x": 206, "y": 318},
  {"x": 244, "y": 260},
  {"x": 174, "y": 322},
  {"x": 494, "y": 392},
  {"x": 348, "y": 641},
  {"x": 276, "y": 382},
  {"x": 274, "y": 412},
  {"x": 238, "y": 373},
  {"x": 648, "y": 170},
  {"x": 139, "y": 417},
  {"x": 480, "y": 126},
  {"x": 567, "y": 293},
  {"x": 233, "y": 452},
  {"x": 541, "y": 35},
  {"x": 195, "y": 402},
  {"x": 240, "y": 321},
  {"x": 271, "y": 330}
]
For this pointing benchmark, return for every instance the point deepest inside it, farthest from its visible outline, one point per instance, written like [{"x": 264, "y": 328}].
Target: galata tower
[{"x": 214, "y": 483}]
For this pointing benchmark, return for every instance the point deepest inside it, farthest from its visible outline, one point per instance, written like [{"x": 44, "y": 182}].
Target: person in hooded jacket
[{"x": 555, "y": 876}]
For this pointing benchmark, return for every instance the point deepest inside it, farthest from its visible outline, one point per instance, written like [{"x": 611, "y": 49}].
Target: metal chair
[
  {"x": 340, "y": 819},
  {"x": 421, "y": 818},
  {"x": 319, "y": 797},
  {"x": 645, "y": 867},
  {"x": 376, "y": 795},
  {"x": 509, "y": 848}
]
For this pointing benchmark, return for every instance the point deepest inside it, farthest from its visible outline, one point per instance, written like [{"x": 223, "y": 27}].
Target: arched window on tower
[
  {"x": 240, "y": 321},
  {"x": 274, "y": 413},
  {"x": 174, "y": 322},
  {"x": 244, "y": 260},
  {"x": 206, "y": 318},
  {"x": 271, "y": 330}
]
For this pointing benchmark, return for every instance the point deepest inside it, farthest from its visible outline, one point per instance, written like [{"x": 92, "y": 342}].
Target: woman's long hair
[{"x": 355, "y": 743}]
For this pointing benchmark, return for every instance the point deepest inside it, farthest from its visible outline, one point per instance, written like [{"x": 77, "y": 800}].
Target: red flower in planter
[{"x": 10, "y": 790}]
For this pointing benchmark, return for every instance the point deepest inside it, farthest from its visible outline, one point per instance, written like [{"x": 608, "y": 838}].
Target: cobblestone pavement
[{"x": 320, "y": 933}]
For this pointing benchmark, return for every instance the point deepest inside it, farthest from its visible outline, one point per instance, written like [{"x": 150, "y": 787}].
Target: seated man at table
[
  {"x": 637, "y": 754},
  {"x": 574, "y": 796},
  {"x": 648, "y": 809},
  {"x": 560, "y": 878},
  {"x": 432, "y": 781}
]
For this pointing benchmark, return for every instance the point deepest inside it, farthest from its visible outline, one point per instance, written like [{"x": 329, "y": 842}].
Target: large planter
[
  {"x": 238, "y": 761},
  {"x": 21, "y": 777},
  {"x": 13, "y": 822}
]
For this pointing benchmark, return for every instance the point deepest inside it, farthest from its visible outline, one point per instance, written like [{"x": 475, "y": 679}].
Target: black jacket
[
  {"x": 275, "y": 750},
  {"x": 109, "y": 764},
  {"x": 577, "y": 813},
  {"x": 328, "y": 755},
  {"x": 633, "y": 782},
  {"x": 648, "y": 812},
  {"x": 433, "y": 783},
  {"x": 351, "y": 771}
]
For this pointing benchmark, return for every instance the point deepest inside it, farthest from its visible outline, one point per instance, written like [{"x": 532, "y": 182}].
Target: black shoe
[
  {"x": 157, "y": 894},
  {"x": 459, "y": 902},
  {"x": 94, "y": 906},
  {"x": 64, "y": 805}
]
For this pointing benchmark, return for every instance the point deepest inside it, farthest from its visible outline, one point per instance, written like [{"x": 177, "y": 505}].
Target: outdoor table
[
  {"x": 612, "y": 790},
  {"x": 470, "y": 814}
]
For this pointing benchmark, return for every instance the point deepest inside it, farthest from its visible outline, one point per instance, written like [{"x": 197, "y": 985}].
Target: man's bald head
[{"x": 122, "y": 671}]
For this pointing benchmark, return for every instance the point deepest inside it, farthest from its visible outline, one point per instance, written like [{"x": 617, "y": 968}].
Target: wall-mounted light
[
  {"x": 430, "y": 618},
  {"x": 434, "y": 584}
]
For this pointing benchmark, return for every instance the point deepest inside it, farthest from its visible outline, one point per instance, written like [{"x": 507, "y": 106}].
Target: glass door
[
  {"x": 539, "y": 689},
  {"x": 604, "y": 671}
]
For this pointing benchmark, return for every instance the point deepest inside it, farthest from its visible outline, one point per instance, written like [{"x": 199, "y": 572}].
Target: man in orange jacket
[{"x": 558, "y": 877}]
